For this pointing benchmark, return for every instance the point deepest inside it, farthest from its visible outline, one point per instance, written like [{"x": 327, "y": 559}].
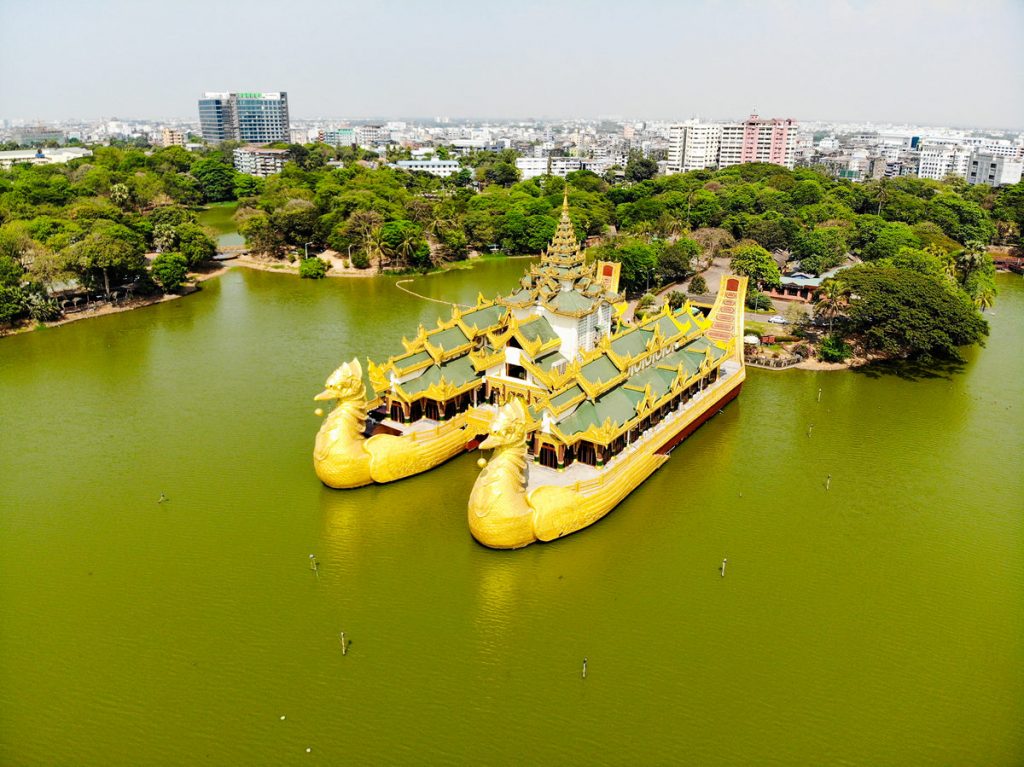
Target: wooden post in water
[
  {"x": 314, "y": 565},
  {"x": 828, "y": 482},
  {"x": 724, "y": 561},
  {"x": 819, "y": 394},
  {"x": 344, "y": 649},
  {"x": 584, "y": 668}
]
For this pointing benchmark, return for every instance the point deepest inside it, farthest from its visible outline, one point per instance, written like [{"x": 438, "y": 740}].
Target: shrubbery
[
  {"x": 834, "y": 349},
  {"x": 312, "y": 268}
]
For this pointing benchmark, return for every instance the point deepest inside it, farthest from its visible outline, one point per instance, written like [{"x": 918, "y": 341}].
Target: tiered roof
[
  {"x": 562, "y": 281},
  {"x": 597, "y": 396}
]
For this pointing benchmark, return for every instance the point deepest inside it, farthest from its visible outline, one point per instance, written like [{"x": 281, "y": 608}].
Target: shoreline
[
  {"x": 222, "y": 267},
  {"x": 108, "y": 309}
]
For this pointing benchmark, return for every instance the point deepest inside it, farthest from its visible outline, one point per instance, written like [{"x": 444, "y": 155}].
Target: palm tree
[
  {"x": 833, "y": 298},
  {"x": 970, "y": 259},
  {"x": 985, "y": 299},
  {"x": 376, "y": 246},
  {"x": 407, "y": 245}
]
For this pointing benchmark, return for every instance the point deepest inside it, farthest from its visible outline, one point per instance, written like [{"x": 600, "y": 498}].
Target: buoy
[
  {"x": 481, "y": 462},
  {"x": 282, "y": 717},
  {"x": 309, "y": 750},
  {"x": 318, "y": 411}
]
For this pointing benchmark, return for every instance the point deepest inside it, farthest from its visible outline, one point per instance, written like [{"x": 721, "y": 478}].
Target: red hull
[{"x": 696, "y": 424}]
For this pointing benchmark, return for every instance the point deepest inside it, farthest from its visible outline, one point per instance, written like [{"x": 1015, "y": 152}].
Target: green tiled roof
[
  {"x": 538, "y": 328},
  {"x": 632, "y": 342},
  {"x": 549, "y": 360},
  {"x": 618, "y": 405},
  {"x": 520, "y": 296},
  {"x": 571, "y": 301},
  {"x": 600, "y": 370},
  {"x": 565, "y": 397},
  {"x": 660, "y": 380},
  {"x": 483, "y": 318},
  {"x": 457, "y": 372},
  {"x": 448, "y": 339},
  {"x": 408, "y": 360}
]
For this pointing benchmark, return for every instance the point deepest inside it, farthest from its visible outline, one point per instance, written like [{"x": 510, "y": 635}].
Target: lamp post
[{"x": 305, "y": 249}]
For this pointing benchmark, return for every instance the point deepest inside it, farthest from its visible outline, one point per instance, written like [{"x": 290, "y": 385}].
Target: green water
[
  {"x": 877, "y": 623},
  {"x": 219, "y": 217}
]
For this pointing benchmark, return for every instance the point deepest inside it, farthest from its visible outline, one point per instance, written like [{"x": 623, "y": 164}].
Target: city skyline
[{"x": 788, "y": 58}]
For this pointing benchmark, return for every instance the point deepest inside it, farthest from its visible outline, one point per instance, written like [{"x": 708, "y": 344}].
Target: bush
[
  {"x": 312, "y": 268},
  {"x": 646, "y": 302},
  {"x": 169, "y": 270},
  {"x": 675, "y": 299},
  {"x": 360, "y": 260},
  {"x": 698, "y": 286},
  {"x": 834, "y": 349}
]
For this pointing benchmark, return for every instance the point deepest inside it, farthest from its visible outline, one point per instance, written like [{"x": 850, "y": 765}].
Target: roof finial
[{"x": 565, "y": 199}]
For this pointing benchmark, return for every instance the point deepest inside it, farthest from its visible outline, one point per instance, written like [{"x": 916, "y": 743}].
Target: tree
[
  {"x": 675, "y": 262},
  {"x": 195, "y": 244},
  {"x": 169, "y": 270},
  {"x": 110, "y": 252},
  {"x": 887, "y": 241},
  {"x": 640, "y": 168},
  {"x": 757, "y": 263},
  {"x": 833, "y": 298},
  {"x": 698, "y": 286},
  {"x": 502, "y": 173},
  {"x": 675, "y": 299},
  {"x": 216, "y": 179},
  {"x": 971, "y": 258},
  {"x": 901, "y": 313},
  {"x": 821, "y": 249},
  {"x": 121, "y": 196},
  {"x": 261, "y": 237}
]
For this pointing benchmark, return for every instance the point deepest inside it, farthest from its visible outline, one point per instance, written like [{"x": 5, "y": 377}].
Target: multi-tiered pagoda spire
[{"x": 564, "y": 250}]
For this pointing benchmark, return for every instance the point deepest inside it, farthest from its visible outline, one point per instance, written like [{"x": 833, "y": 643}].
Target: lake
[
  {"x": 876, "y": 622},
  {"x": 219, "y": 217}
]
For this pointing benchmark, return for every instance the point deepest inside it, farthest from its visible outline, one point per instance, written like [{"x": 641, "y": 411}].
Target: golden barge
[{"x": 578, "y": 407}]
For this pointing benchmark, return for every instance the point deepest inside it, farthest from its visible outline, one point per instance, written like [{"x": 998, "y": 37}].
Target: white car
[{"x": 778, "y": 319}]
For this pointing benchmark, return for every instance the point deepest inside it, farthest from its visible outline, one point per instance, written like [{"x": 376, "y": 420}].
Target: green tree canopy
[
  {"x": 757, "y": 263},
  {"x": 902, "y": 313}
]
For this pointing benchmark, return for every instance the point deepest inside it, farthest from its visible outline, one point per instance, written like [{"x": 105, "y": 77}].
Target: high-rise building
[
  {"x": 758, "y": 139},
  {"x": 693, "y": 146},
  {"x": 260, "y": 118}
]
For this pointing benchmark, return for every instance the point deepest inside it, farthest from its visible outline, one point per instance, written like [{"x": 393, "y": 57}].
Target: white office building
[
  {"x": 440, "y": 168},
  {"x": 940, "y": 160},
  {"x": 531, "y": 167},
  {"x": 693, "y": 146}
]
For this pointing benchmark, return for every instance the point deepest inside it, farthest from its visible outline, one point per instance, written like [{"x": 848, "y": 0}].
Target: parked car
[{"x": 778, "y": 319}]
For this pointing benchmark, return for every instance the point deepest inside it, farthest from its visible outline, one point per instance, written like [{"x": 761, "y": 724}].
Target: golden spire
[{"x": 565, "y": 201}]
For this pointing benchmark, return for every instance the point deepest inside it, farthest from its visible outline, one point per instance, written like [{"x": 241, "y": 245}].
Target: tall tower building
[{"x": 257, "y": 118}]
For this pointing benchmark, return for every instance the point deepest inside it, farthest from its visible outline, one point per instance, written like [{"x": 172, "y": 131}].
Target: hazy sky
[{"x": 924, "y": 61}]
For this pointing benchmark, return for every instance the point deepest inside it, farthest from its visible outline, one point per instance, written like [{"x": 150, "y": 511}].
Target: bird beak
[
  {"x": 488, "y": 444},
  {"x": 326, "y": 394}
]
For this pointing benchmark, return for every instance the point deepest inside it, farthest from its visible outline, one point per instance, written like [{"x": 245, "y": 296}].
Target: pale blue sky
[{"x": 925, "y": 61}]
